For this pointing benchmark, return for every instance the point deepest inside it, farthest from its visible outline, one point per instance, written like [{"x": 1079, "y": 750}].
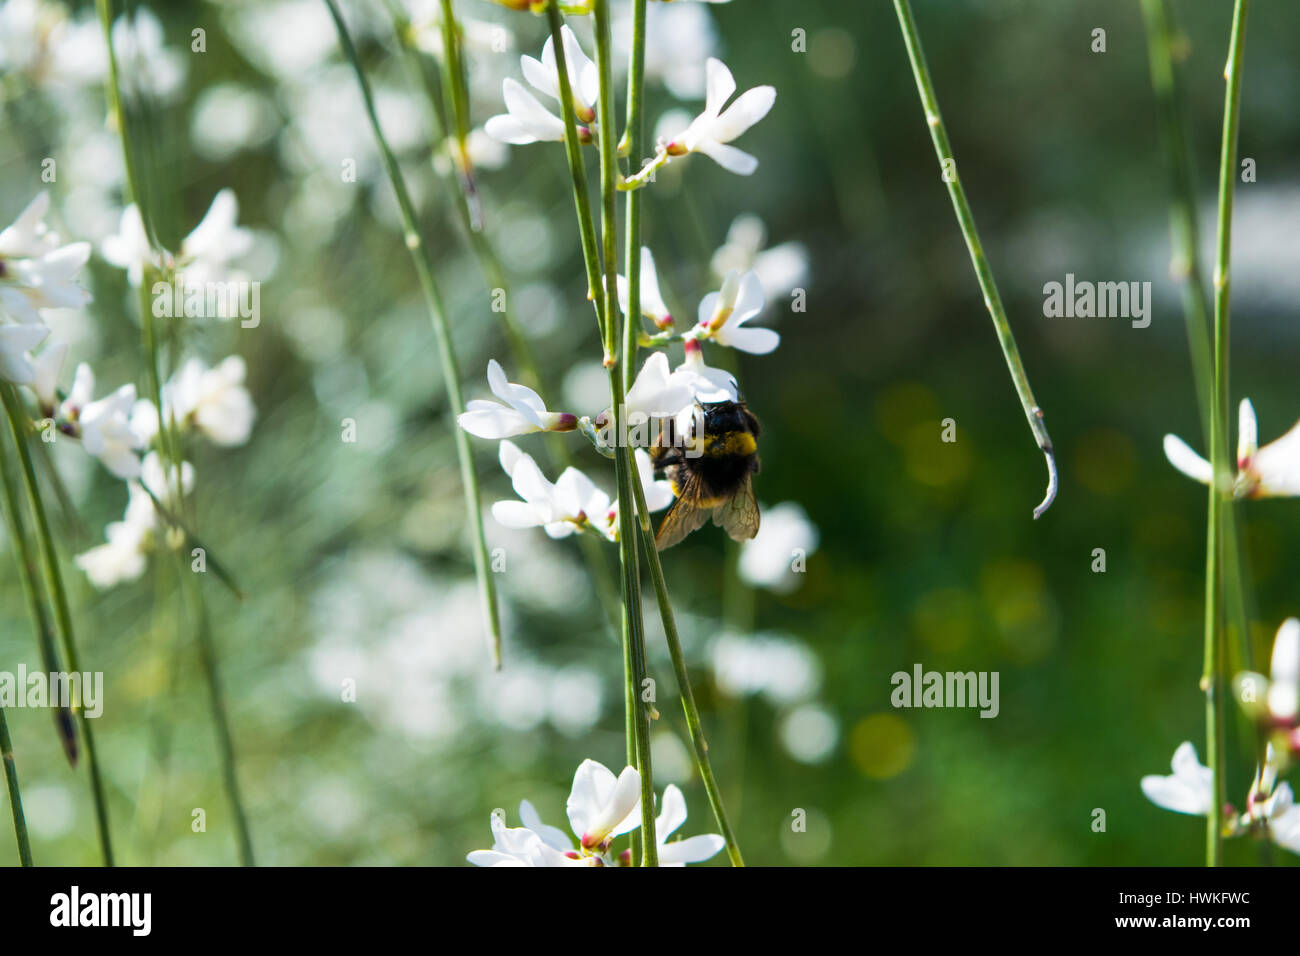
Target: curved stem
[
  {"x": 438, "y": 319},
  {"x": 1214, "y": 678},
  {"x": 966, "y": 221}
]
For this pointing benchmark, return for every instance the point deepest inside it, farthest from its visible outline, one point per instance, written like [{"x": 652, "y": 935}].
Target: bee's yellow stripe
[{"x": 730, "y": 443}]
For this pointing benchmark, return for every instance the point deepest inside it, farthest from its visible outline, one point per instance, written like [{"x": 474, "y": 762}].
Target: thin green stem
[
  {"x": 15, "y": 793},
  {"x": 437, "y": 316},
  {"x": 693, "y": 723},
  {"x": 624, "y": 466},
  {"x": 581, "y": 200},
  {"x": 220, "y": 719},
  {"x": 635, "y": 136},
  {"x": 134, "y": 183},
  {"x": 966, "y": 221},
  {"x": 59, "y": 599},
  {"x": 37, "y": 609},
  {"x": 1214, "y": 678}
]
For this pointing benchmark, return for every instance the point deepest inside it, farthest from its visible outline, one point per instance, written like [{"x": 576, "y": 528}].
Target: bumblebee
[{"x": 711, "y": 470}]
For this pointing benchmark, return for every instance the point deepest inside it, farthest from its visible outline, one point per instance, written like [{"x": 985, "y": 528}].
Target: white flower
[
  {"x": 765, "y": 560},
  {"x": 1268, "y": 472},
  {"x": 652, "y": 301},
  {"x": 696, "y": 849},
  {"x": 526, "y": 120},
  {"x": 36, "y": 271},
  {"x": 105, "y": 425},
  {"x": 46, "y": 369},
  {"x": 658, "y": 494},
  {"x": 657, "y": 393},
  {"x": 523, "y": 411},
  {"x": 707, "y": 384},
  {"x": 1283, "y": 818},
  {"x": 204, "y": 255},
  {"x": 213, "y": 401},
  {"x": 711, "y": 131},
  {"x": 129, "y": 541},
  {"x": 602, "y": 806},
  {"x": 1188, "y": 790},
  {"x": 569, "y": 505},
  {"x": 15, "y": 342},
  {"x": 1284, "y": 688},
  {"x": 521, "y": 846},
  {"x": 723, "y": 314},
  {"x": 779, "y": 269},
  {"x": 145, "y": 64}
]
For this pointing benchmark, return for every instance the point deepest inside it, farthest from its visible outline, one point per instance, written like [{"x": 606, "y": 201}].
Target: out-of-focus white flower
[
  {"x": 658, "y": 493},
  {"x": 779, "y": 269},
  {"x": 723, "y": 314},
  {"x": 782, "y": 669},
  {"x": 526, "y": 120},
  {"x": 573, "y": 503},
  {"x": 1269, "y": 472},
  {"x": 46, "y": 369},
  {"x": 523, "y": 411},
  {"x": 711, "y": 131},
  {"x": 15, "y": 342},
  {"x": 26, "y": 27},
  {"x": 146, "y": 66},
  {"x": 652, "y": 301},
  {"x": 204, "y": 255},
  {"x": 123, "y": 557},
  {"x": 696, "y": 849},
  {"x": 680, "y": 37},
  {"x": 766, "y": 560},
  {"x": 1275, "y": 700},
  {"x": 212, "y": 401},
  {"x": 36, "y": 271},
  {"x": 1188, "y": 790},
  {"x": 104, "y": 426}
]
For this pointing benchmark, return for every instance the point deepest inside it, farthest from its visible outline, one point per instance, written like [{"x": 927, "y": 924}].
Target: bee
[{"x": 711, "y": 472}]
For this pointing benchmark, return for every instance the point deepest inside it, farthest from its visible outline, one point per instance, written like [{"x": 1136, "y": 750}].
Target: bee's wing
[
  {"x": 683, "y": 517},
  {"x": 739, "y": 514}
]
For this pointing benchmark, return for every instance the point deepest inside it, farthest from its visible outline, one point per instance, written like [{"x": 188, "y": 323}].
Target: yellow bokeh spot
[
  {"x": 1105, "y": 461},
  {"x": 882, "y": 746},
  {"x": 932, "y": 461},
  {"x": 899, "y": 407}
]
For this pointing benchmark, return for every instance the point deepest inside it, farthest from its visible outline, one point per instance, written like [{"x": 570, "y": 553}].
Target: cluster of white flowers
[
  {"x": 38, "y": 272},
  {"x": 1273, "y": 703},
  {"x": 601, "y": 807}
]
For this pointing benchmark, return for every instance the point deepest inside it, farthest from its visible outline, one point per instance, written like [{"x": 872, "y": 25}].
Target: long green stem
[
  {"x": 1214, "y": 678},
  {"x": 37, "y": 609},
  {"x": 15, "y": 793},
  {"x": 625, "y": 468},
  {"x": 221, "y": 720},
  {"x": 581, "y": 200},
  {"x": 693, "y": 722},
  {"x": 966, "y": 221},
  {"x": 59, "y": 599},
  {"x": 437, "y": 316},
  {"x": 635, "y": 136}
]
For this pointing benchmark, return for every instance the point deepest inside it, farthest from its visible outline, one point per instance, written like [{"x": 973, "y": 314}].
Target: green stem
[
  {"x": 37, "y": 609},
  {"x": 693, "y": 723},
  {"x": 437, "y": 316},
  {"x": 581, "y": 200},
  {"x": 221, "y": 720},
  {"x": 59, "y": 596},
  {"x": 15, "y": 793},
  {"x": 635, "y": 135},
  {"x": 624, "y": 466},
  {"x": 1214, "y": 678},
  {"x": 966, "y": 221}
]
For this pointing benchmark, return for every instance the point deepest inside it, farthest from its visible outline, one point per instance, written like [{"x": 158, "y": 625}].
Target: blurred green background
[{"x": 354, "y": 555}]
